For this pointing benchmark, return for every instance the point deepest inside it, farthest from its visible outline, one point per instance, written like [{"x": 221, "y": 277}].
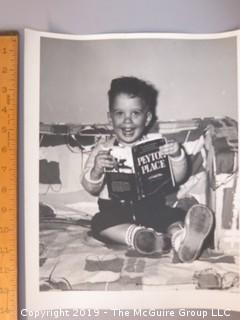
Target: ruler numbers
[{"x": 8, "y": 176}]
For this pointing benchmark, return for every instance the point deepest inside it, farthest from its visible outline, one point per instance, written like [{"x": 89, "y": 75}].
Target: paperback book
[{"x": 141, "y": 171}]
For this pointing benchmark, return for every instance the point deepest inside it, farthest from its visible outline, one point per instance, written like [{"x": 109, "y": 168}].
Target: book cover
[{"x": 141, "y": 171}]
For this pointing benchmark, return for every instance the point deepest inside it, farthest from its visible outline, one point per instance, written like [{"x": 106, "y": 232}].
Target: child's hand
[
  {"x": 103, "y": 160},
  {"x": 171, "y": 148}
]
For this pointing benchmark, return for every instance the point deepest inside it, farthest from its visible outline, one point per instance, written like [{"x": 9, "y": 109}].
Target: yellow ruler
[{"x": 9, "y": 43}]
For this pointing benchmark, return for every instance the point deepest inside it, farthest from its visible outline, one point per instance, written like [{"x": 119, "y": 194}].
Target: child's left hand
[{"x": 171, "y": 148}]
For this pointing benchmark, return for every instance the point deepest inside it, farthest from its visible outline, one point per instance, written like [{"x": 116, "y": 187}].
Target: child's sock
[
  {"x": 146, "y": 241},
  {"x": 187, "y": 241}
]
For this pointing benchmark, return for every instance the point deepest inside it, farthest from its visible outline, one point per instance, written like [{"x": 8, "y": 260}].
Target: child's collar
[{"x": 118, "y": 143}]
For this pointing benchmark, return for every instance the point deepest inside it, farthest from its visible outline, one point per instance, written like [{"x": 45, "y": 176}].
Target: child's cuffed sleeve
[
  {"x": 179, "y": 166},
  {"x": 92, "y": 186}
]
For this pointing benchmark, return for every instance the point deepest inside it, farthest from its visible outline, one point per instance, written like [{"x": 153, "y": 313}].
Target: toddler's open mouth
[{"x": 128, "y": 132}]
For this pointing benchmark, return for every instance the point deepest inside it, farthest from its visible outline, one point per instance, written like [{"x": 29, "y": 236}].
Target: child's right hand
[{"x": 103, "y": 160}]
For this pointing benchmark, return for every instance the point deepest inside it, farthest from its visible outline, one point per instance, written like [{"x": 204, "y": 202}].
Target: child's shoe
[
  {"x": 146, "y": 241},
  {"x": 188, "y": 240}
]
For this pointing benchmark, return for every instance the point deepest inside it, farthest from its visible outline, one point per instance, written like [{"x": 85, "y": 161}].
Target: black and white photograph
[{"x": 131, "y": 169}]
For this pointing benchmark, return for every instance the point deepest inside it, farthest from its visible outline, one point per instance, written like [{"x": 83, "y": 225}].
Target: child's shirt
[{"x": 99, "y": 187}]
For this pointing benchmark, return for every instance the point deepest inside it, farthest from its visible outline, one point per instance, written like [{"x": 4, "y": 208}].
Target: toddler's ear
[{"x": 148, "y": 119}]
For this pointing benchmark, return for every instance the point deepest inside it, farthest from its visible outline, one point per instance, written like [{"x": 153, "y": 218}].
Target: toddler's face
[{"x": 129, "y": 118}]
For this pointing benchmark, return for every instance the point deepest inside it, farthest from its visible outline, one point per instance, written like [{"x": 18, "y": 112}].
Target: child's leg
[
  {"x": 187, "y": 239},
  {"x": 111, "y": 222},
  {"x": 116, "y": 233},
  {"x": 187, "y": 231},
  {"x": 142, "y": 239},
  {"x": 115, "y": 223}
]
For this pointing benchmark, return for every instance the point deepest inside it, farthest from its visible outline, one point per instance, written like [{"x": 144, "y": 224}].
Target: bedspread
[{"x": 70, "y": 259}]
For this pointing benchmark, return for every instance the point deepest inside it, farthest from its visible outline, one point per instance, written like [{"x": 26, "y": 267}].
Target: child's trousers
[{"x": 150, "y": 212}]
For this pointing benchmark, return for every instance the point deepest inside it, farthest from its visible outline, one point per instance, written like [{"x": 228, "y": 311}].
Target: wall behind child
[{"x": 195, "y": 78}]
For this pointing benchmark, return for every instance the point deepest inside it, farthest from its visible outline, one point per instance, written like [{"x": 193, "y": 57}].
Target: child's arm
[
  {"x": 178, "y": 160},
  {"x": 93, "y": 173}
]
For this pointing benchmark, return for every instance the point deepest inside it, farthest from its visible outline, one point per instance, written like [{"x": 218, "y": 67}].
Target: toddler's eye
[
  {"x": 118, "y": 113},
  {"x": 136, "y": 113}
]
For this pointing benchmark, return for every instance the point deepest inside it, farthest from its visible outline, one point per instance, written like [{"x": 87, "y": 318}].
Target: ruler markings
[{"x": 8, "y": 175}]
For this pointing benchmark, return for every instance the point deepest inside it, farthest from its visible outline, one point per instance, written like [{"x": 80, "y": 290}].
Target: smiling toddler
[{"x": 148, "y": 225}]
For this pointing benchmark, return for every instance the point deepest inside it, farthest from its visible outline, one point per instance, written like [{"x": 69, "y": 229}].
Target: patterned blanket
[{"x": 70, "y": 259}]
